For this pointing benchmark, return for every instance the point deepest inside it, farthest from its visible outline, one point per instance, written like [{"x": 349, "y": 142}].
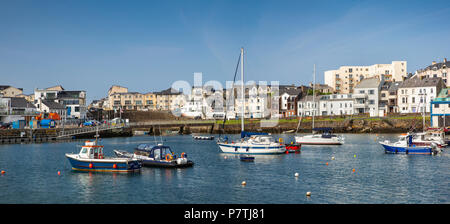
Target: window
[
  {"x": 372, "y": 102},
  {"x": 436, "y": 105},
  {"x": 361, "y": 91},
  {"x": 413, "y": 99},
  {"x": 371, "y": 91},
  {"x": 350, "y": 70},
  {"x": 77, "y": 109}
]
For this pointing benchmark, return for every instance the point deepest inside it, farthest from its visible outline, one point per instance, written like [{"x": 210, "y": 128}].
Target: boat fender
[
  {"x": 90, "y": 165},
  {"x": 115, "y": 166},
  {"x": 183, "y": 155},
  {"x": 406, "y": 151},
  {"x": 169, "y": 157},
  {"x": 396, "y": 151}
]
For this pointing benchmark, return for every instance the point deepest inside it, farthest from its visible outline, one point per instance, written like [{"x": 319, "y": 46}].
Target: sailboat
[
  {"x": 250, "y": 143},
  {"x": 324, "y": 138}
]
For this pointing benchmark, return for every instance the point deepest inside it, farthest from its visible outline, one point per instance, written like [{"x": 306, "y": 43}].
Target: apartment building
[
  {"x": 344, "y": 79},
  {"x": 414, "y": 95},
  {"x": 336, "y": 104},
  {"x": 367, "y": 95},
  {"x": 10, "y": 91},
  {"x": 441, "y": 70},
  {"x": 71, "y": 104}
]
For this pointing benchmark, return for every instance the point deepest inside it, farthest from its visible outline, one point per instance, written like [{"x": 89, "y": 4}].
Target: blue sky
[{"x": 148, "y": 45}]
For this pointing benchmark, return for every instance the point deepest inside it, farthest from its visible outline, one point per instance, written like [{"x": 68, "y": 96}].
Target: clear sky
[{"x": 147, "y": 45}]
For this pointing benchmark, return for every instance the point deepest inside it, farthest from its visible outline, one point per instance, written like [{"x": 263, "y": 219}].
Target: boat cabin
[
  {"x": 157, "y": 152},
  {"x": 91, "y": 151},
  {"x": 261, "y": 139}
]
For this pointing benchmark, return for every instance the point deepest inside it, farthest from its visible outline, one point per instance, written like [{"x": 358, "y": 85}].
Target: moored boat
[
  {"x": 91, "y": 158},
  {"x": 293, "y": 147},
  {"x": 325, "y": 138},
  {"x": 252, "y": 143},
  {"x": 156, "y": 156},
  {"x": 405, "y": 145},
  {"x": 202, "y": 137}
]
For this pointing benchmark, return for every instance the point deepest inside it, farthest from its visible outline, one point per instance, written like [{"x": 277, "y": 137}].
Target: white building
[
  {"x": 344, "y": 79},
  {"x": 336, "y": 104},
  {"x": 414, "y": 95},
  {"x": 308, "y": 106},
  {"x": 367, "y": 95},
  {"x": 74, "y": 102}
]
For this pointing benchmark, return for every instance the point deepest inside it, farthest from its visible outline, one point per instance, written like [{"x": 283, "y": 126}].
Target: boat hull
[
  {"x": 317, "y": 141},
  {"x": 255, "y": 150},
  {"x": 103, "y": 165},
  {"x": 407, "y": 150}
]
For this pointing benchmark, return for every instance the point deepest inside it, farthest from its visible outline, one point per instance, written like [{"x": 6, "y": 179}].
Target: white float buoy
[
  {"x": 332, "y": 158},
  {"x": 244, "y": 183},
  {"x": 308, "y": 194},
  {"x": 296, "y": 174}
]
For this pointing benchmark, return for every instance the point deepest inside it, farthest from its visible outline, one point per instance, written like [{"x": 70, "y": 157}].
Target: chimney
[
  {"x": 433, "y": 63},
  {"x": 445, "y": 60}
]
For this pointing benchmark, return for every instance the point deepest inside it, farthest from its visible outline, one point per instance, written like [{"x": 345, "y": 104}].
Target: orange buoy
[
  {"x": 326, "y": 163},
  {"x": 59, "y": 173},
  {"x": 115, "y": 166},
  {"x": 3, "y": 172},
  {"x": 90, "y": 165},
  {"x": 353, "y": 170}
]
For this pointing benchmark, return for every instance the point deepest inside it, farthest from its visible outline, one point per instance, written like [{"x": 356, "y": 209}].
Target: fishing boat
[
  {"x": 325, "y": 138},
  {"x": 91, "y": 158},
  {"x": 405, "y": 145},
  {"x": 428, "y": 138},
  {"x": 156, "y": 156},
  {"x": 250, "y": 143}
]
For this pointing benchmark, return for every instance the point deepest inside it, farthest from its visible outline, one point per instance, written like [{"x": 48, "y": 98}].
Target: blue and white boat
[
  {"x": 405, "y": 145},
  {"x": 91, "y": 158},
  {"x": 257, "y": 143},
  {"x": 252, "y": 143}
]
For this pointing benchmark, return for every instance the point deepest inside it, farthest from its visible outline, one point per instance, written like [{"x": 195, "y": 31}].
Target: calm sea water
[{"x": 32, "y": 175}]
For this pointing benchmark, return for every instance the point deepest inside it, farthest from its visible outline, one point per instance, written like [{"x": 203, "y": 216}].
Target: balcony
[
  {"x": 359, "y": 95},
  {"x": 359, "y": 105}
]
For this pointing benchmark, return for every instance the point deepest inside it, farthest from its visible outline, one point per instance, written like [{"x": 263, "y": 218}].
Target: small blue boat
[
  {"x": 405, "y": 145},
  {"x": 91, "y": 158},
  {"x": 247, "y": 158}
]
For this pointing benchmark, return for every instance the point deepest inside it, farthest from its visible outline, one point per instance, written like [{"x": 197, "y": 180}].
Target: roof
[
  {"x": 290, "y": 91},
  {"x": 373, "y": 82},
  {"x": 19, "y": 102},
  {"x": 3, "y": 87},
  {"x": 53, "y": 105},
  {"x": 420, "y": 82},
  {"x": 168, "y": 91},
  {"x": 309, "y": 98},
  {"x": 436, "y": 66},
  {"x": 444, "y": 95}
]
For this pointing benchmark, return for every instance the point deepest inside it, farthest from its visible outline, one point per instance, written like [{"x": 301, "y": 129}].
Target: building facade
[
  {"x": 344, "y": 79},
  {"x": 441, "y": 70},
  {"x": 414, "y": 95}
]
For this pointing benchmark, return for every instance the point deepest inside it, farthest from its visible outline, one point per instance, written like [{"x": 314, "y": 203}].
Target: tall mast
[
  {"x": 242, "y": 90},
  {"x": 314, "y": 94}
]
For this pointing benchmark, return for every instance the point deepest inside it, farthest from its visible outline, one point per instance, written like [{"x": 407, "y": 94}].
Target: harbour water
[{"x": 31, "y": 175}]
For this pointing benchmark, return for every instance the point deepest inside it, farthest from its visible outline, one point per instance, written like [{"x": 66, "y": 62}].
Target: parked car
[
  {"x": 91, "y": 123},
  {"x": 5, "y": 125}
]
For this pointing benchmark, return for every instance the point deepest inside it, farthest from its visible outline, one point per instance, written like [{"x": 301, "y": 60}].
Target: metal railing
[{"x": 85, "y": 130}]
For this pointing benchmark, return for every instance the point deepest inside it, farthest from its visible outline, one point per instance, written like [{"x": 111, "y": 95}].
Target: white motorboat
[{"x": 326, "y": 138}]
